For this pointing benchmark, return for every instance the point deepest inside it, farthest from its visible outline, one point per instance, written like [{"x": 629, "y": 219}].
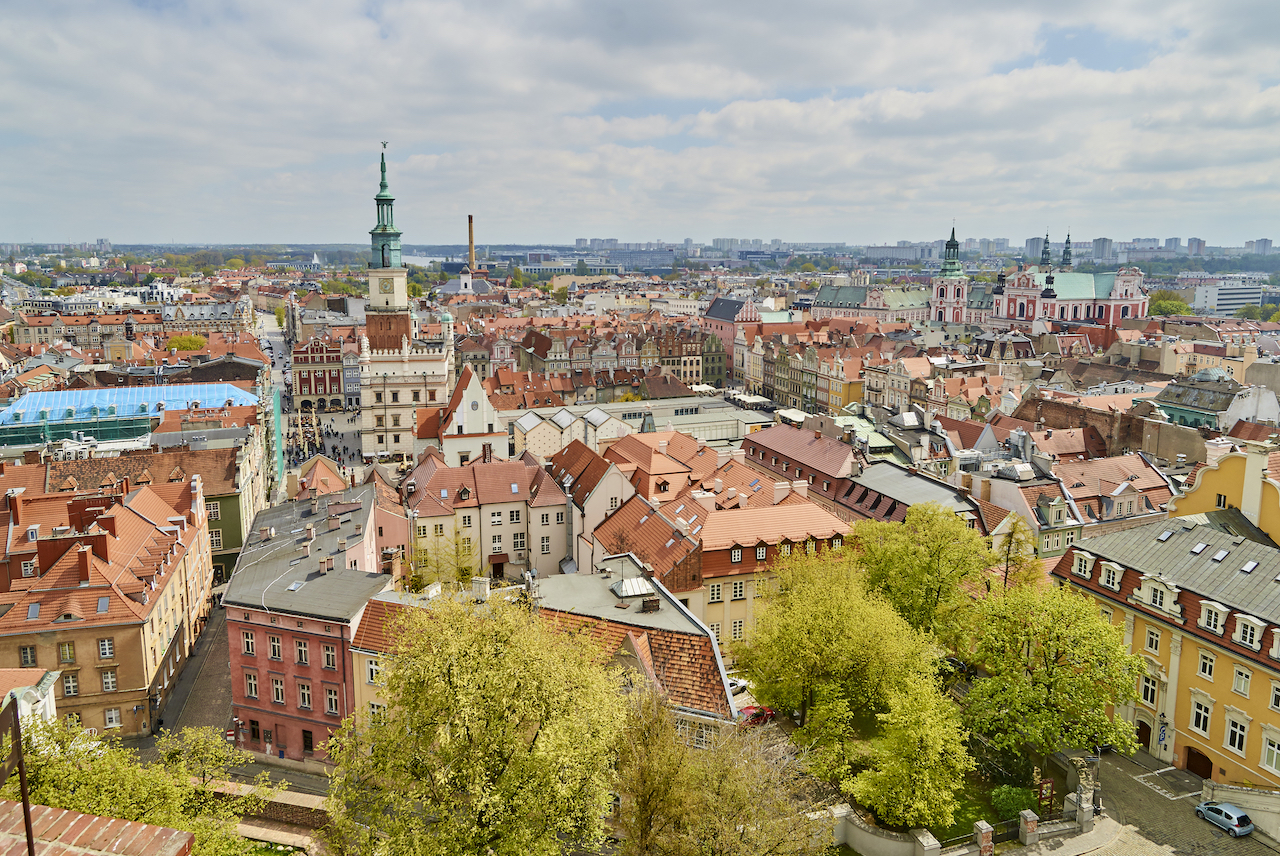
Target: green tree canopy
[
  {"x": 921, "y": 761},
  {"x": 497, "y": 739},
  {"x": 737, "y": 796},
  {"x": 918, "y": 565},
  {"x": 1169, "y": 307},
  {"x": 1055, "y": 666},
  {"x": 821, "y": 639},
  {"x": 581, "y": 269},
  {"x": 1016, "y": 552},
  {"x": 279, "y": 313},
  {"x": 1251, "y": 312},
  {"x": 561, "y": 295},
  {"x": 808, "y": 267},
  {"x": 67, "y": 768},
  {"x": 186, "y": 342}
]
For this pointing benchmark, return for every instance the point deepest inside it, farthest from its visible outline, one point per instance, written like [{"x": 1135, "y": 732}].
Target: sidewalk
[{"x": 1105, "y": 832}]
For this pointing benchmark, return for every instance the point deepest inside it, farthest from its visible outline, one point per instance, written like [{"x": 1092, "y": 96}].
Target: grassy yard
[{"x": 975, "y": 805}]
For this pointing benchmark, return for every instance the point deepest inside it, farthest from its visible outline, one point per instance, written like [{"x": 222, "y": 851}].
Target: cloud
[{"x": 216, "y": 121}]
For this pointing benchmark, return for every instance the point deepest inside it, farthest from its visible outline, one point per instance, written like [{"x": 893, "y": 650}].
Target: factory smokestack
[{"x": 471, "y": 243}]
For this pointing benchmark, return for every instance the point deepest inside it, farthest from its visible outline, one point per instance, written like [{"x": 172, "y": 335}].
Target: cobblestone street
[{"x": 1156, "y": 824}]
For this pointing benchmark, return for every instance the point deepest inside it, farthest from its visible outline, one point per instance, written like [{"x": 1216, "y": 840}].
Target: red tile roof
[{"x": 60, "y": 832}]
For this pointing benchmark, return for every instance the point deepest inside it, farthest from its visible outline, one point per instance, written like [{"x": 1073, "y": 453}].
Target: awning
[{"x": 499, "y": 559}]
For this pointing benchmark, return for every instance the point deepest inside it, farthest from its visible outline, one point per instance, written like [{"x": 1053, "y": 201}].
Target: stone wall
[
  {"x": 1263, "y": 807},
  {"x": 294, "y": 808},
  {"x": 1121, "y": 431}
]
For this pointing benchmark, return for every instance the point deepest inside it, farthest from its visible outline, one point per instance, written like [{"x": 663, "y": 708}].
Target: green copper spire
[
  {"x": 951, "y": 257},
  {"x": 1066, "y": 252},
  {"x": 1045, "y": 261},
  {"x": 385, "y": 236}
]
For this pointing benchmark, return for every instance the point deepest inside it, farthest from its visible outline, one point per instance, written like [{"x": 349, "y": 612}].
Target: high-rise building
[
  {"x": 1174, "y": 244},
  {"x": 1103, "y": 250},
  {"x": 1262, "y": 246},
  {"x": 1195, "y": 247},
  {"x": 1034, "y": 248}
]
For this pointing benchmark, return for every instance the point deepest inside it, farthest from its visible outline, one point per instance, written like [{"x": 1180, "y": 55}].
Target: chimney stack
[
  {"x": 480, "y": 588},
  {"x": 780, "y": 491},
  {"x": 471, "y": 243},
  {"x": 801, "y": 487},
  {"x": 84, "y": 560},
  {"x": 334, "y": 522}
]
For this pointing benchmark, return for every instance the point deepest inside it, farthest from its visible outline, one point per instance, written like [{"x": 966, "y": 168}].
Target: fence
[{"x": 1005, "y": 830}]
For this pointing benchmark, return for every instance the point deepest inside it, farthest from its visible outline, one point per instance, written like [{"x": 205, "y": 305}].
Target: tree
[
  {"x": 415, "y": 289},
  {"x": 280, "y": 317},
  {"x": 443, "y": 558},
  {"x": 736, "y": 796},
  {"x": 808, "y": 267},
  {"x": 581, "y": 269},
  {"x": 1251, "y": 312},
  {"x": 497, "y": 738},
  {"x": 922, "y": 760},
  {"x": 821, "y": 640},
  {"x": 186, "y": 342},
  {"x": 67, "y": 768},
  {"x": 561, "y": 295},
  {"x": 1169, "y": 307},
  {"x": 1054, "y": 666},
  {"x": 918, "y": 565},
  {"x": 1016, "y": 548}
]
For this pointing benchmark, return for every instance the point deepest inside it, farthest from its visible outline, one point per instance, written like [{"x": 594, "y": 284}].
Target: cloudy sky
[{"x": 859, "y": 120}]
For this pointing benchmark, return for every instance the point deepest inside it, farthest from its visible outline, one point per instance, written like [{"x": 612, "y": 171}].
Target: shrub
[{"x": 1009, "y": 801}]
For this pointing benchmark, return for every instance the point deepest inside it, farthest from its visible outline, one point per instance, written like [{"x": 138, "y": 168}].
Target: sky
[{"x": 224, "y": 121}]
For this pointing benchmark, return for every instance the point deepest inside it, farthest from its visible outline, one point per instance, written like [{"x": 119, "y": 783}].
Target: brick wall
[{"x": 1120, "y": 430}]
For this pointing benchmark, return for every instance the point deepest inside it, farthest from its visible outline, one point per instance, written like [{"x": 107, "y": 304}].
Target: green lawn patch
[{"x": 974, "y": 798}]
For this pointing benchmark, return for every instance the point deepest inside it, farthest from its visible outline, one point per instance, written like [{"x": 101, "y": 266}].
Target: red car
[{"x": 753, "y": 715}]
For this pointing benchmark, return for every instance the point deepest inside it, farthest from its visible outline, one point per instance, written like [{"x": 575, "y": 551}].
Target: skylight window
[
  {"x": 33, "y": 611},
  {"x": 444, "y": 493},
  {"x": 297, "y": 584},
  {"x": 1220, "y": 555},
  {"x": 515, "y": 488},
  {"x": 672, "y": 541},
  {"x": 1248, "y": 567},
  {"x": 1199, "y": 548},
  {"x": 104, "y": 603},
  {"x": 1165, "y": 535}
]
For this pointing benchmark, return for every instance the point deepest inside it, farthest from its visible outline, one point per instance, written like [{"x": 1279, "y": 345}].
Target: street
[{"x": 1158, "y": 805}]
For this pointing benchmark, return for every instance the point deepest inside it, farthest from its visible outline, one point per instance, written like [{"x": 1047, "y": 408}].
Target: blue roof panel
[{"x": 127, "y": 401}]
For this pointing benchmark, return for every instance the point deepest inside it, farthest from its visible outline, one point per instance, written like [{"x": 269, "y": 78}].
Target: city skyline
[{"x": 199, "y": 122}]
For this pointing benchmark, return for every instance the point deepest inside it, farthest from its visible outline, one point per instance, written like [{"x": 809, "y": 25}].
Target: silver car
[{"x": 1227, "y": 816}]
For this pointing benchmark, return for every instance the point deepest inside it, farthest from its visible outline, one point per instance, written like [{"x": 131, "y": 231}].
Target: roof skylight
[
  {"x": 1199, "y": 548},
  {"x": 1165, "y": 535}
]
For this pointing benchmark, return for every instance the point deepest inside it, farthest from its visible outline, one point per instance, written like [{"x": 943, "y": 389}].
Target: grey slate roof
[
  {"x": 1256, "y": 592},
  {"x": 897, "y": 482},
  {"x": 841, "y": 296},
  {"x": 266, "y": 569},
  {"x": 724, "y": 309},
  {"x": 1201, "y": 392}
]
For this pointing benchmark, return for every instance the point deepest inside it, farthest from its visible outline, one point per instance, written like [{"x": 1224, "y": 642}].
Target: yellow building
[
  {"x": 1247, "y": 479},
  {"x": 1196, "y": 602}
]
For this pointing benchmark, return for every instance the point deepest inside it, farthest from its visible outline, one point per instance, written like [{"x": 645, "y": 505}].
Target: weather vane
[{"x": 384, "y": 145}]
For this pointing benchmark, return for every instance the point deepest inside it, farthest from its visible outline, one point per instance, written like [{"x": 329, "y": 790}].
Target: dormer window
[
  {"x": 1249, "y": 631},
  {"x": 1212, "y": 616},
  {"x": 1082, "y": 566}
]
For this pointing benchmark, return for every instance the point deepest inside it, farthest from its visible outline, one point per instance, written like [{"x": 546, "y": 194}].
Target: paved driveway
[{"x": 1159, "y": 805}]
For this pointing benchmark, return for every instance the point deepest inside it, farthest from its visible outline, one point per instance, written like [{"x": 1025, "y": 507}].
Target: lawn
[{"x": 974, "y": 805}]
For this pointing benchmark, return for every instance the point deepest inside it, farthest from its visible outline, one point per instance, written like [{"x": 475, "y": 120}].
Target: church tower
[
  {"x": 951, "y": 257},
  {"x": 1045, "y": 261},
  {"x": 387, "y": 321},
  {"x": 1066, "y": 253}
]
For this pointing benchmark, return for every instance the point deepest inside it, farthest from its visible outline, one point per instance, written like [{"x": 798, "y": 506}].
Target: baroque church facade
[{"x": 405, "y": 365}]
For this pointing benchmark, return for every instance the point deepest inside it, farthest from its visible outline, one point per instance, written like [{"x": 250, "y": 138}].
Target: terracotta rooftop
[
  {"x": 791, "y": 522},
  {"x": 59, "y": 832},
  {"x": 654, "y": 538},
  {"x": 815, "y": 452}
]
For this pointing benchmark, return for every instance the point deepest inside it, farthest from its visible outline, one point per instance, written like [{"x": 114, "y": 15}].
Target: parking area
[{"x": 1159, "y": 803}]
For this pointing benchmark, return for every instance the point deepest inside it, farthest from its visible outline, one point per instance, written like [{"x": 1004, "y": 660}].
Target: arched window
[
  {"x": 959, "y": 293},
  {"x": 1062, "y": 312},
  {"x": 1022, "y": 310},
  {"x": 941, "y": 315},
  {"x": 942, "y": 293},
  {"x": 1075, "y": 313},
  {"x": 1124, "y": 311},
  {"x": 1088, "y": 312}
]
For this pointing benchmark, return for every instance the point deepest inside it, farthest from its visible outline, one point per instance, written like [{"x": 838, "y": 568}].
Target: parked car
[
  {"x": 737, "y": 685},
  {"x": 754, "y": 714},
  {"x": 1227, "y": 816}
]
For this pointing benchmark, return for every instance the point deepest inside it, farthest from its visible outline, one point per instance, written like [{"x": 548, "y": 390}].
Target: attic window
[
  {"x": 1165, "y": 535},
  {"x": 104, "y": 603},
  {"x": 444, "y": 493},
  {"x": 297, "y": 584},
  {"x": 670, "y": 542},
  {"x": 33, "y": 611},
  {"x": 1199, "y": 548},
  {"x": 515, "y": 488},
  {"x": 1220, "y": 555},
  {"x": 1248, "y": 567}
]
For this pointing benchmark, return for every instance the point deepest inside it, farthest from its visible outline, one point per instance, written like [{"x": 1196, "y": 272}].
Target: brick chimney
[
  {"x": 83, "y": 556},
  {"x": 334, "y": 522}
]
